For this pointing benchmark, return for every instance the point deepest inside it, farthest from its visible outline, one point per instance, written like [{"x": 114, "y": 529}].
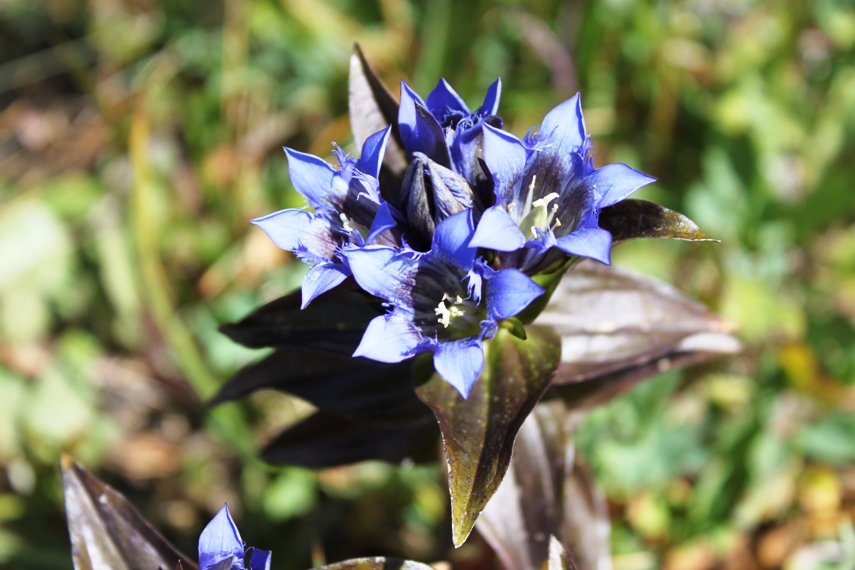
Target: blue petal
[
  {"x": 420, "y": 131},
  {"x": 383, "y": 220},
  {"x": 505, "y": 157},
  {"x": 595, "y": 243},
  {"x": 491, "y": 100},
  {"x": 314, "y": 178},
  {"x": 460, "y": 363},
  {"x": 390, "y": 338},
  {"x": 497, "y": 231},
  {"x": 300, "y": 232},
  {"x": 383, "y": 272},
  {"x": 564, "y": 126},
  {"x": 321, "y": 278},
  {"x": 219, "y": 541},
  {"x": 614, "y": 182},
  {"x": 509, "y": 291},
  {"x": 373, "y": 150},
  {"x": 259, "y": 560},
  {"x": 444, "y": 98},
  {"x": 451, "y": 240}
]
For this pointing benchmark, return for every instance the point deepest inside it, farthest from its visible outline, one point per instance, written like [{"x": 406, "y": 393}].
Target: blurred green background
[{"x": 137, "y": 138}]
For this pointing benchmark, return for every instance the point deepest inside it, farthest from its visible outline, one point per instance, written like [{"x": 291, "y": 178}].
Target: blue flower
[
  {"x": 436, "y": 303},
  {"x": 444, "y": 129},
  {"x": 221, "y": 548},
  {"x": 348, "y": 210},
  {"x": 548, "y": 193}
]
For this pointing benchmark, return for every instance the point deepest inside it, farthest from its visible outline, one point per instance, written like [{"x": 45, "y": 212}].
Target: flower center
[
  {"x": 457, "y": 312},
  {"x": 536, "y": 216}
]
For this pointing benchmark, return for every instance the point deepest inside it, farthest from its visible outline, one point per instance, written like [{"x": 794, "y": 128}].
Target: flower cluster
[
  {"x": 221, "y": 548},
  {"x": 450, "y": 245}
]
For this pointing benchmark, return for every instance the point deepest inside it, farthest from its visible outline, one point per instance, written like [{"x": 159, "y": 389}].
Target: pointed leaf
[
  {"x": 610, "y": 319},
  {"x": 634, "y": 219},
  {"x": 334, "y": 322},
  {"x": 376, "y": 563},
  {"x": 326, "y": 440},
  {"x": 107, "y": 531},
  {"x": 357, "y": 388},
  {"x": 547, "y": 491},
  {"x": 559, "y": 558},
  {"x": 372, "y": 108},
  {"x": 478, "y": 433}
]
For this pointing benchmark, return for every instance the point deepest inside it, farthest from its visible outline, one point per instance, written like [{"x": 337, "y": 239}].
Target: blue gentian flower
[
  {"x": 548, "y": 193},
  {"x": 348, "y": 210},
  {"x": 221, "y": 548},
  {"x": 444, "y": 129},
  {"x": 435, "y": 301}
]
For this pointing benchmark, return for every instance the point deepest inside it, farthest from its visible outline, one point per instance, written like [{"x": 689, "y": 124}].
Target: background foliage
[{"x": 137, "y": 139}]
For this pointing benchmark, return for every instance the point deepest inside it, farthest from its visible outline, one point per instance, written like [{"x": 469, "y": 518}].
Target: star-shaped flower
[
  {"x": 436, "y": 302},
  {"x": 221, "y": 548},
  {"x": 348, "y": 210},
  {"x": 548, "y": 193}
]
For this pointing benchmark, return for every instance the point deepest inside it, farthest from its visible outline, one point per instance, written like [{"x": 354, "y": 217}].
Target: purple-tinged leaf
[
  {"x": 376, "y": 563},
  {"x": 547, "y": 492},
  {"x": 333, "y": 322},
  {"x": 357, "y": 388},
  {"x": 327, "y": 440},
  {"x": 107, "y": 531},
  {"x": 634, "y": 219},
  {"x": 610, "y": 319},
  {"x": 372, "y": 108},
  {"x": 478, "y": 432}
]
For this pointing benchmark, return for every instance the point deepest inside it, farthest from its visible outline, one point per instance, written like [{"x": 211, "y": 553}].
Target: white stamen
[
  {"x": 533, "y": 180},
  {"x": 446, "y": 313},
  {"x": 546, "y": 200},
  {"x": 345, "y": 222}
]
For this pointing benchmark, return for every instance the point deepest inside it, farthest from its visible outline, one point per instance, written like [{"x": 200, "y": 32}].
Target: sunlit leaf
[
  {"x": 634, "y": 219},
  {"x": 326, "y": 440},
  {"x": 373, "y": 108},
  {"x": 612, "y": 321},
  {"x": 357, "y": 388},
  {"x": 559, "y": 558},
  {"x": 376, "y": 563},
  {"x": 479, "y": 432},
  {"x": 547, "y": 491},
  {"x": 107, "y": 531},
  {"x": 334, "y": 322}
]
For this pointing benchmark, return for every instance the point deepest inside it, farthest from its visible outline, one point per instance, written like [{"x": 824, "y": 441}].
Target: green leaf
[
  {"x": 107, "y": 531},
  {"x": 376, "y": 563},
  {"x": 372, "y": 108},
  {"x": 634, "y": 219},
  {"x": 478, "y": 433},
  {"x": 548, "y": 491}
]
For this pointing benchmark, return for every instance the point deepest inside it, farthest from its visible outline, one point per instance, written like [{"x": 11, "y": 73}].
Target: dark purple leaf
[
  {"x": 334, "y": 322},
  {"x": 478, "y": 433},
  {"x": 376, "y": 563},
  {"x": 634, "y": 219},
  {"x": 372, "y": 108},
  {"x": 326, "y": 440},
  {"x": 107, "y": 531},
  {"x": 357, "y": 388},
  {"x": 547, "y": 491}
]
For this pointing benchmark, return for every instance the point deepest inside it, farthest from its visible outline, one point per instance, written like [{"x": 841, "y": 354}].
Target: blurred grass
[{"x": 137, "y": 139}]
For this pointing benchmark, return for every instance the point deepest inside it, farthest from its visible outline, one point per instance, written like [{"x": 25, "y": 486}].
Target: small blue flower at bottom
[
  {"x": 436, "y": 301},
  {"x": 221, "y": 548}
]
